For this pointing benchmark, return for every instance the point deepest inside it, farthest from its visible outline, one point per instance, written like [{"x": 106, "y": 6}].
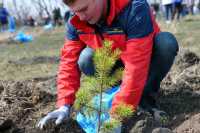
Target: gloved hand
[{"x": 60, "y": 115}]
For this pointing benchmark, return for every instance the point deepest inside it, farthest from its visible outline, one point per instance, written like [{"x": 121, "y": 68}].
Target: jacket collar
[{"x": 116, "y": 6}]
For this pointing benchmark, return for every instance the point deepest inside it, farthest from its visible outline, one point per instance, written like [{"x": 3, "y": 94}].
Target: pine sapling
[{"x": 94, "y": 86}]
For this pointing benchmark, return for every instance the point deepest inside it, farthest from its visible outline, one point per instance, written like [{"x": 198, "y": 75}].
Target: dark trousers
[
  {"x": 168, "y": 11},
  {"x": 165, "y": 49},
  {"x": 177, "y": 10}
]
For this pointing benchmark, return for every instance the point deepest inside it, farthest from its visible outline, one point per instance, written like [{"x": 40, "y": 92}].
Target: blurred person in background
[
  {"x": 185, "y": 10},
  {"x": 11, "y": 24},
  {"x": 196, "y": 6},
  {"x": 3, "y": 18},
  {"x": 190, "y": 5},
  {"x": 168, "y": 10},
  {"x": 155, "y": 6},
  {"x": 46, "y": 19},
  {"x": 177, "y": 9},
  {"x": 57, "y": 16},
  {"x": 31, "y": 21}
]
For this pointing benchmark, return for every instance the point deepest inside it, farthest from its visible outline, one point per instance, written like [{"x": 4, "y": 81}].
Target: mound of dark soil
[
  {"x": 180, "y": 93},
  {"x": 186, "y": 59},
  {"x": 24, "y": 103}
]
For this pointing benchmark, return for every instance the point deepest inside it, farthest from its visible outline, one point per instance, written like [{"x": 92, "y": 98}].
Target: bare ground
[{"x": 23, "y": 103}]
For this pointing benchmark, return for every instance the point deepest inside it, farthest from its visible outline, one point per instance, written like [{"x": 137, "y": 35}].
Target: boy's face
[{"x": 88, "y": 10}]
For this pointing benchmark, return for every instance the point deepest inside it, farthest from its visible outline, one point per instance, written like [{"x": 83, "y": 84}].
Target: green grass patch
[{"x": 47, "y": 44}]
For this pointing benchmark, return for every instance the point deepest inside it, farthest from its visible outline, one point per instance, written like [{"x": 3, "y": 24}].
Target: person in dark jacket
[
  {"x": 57, "y": 17},
  {"x": 147, "y": 54},
  {"x": 177, "y": 9},
  {"x": 3, "y": 18}
]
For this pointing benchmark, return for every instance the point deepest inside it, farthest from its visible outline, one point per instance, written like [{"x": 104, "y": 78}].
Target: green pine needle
[
  {"x": 108, "y": 126},
  {"x": 123, "y": 111}
]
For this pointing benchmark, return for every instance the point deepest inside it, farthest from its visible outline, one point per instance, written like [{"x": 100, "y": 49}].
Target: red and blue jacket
[{"x": 132, "y": 28}]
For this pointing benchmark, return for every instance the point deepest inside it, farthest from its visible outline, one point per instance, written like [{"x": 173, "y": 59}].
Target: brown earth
[
  {"x": 35, "y": 60},
  {"x": 23, "y": 103}
]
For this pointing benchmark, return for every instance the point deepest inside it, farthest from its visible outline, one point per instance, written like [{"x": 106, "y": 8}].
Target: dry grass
[
  {"x": 48, "y": 44},
  {"x": 45, "y": 44},
  {"x": 187, "y": 32}
]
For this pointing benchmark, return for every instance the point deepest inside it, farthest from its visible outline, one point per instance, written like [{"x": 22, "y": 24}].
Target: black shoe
[
  {"x": 161, "y": 117},
  {"x": 148, "y": 104}
]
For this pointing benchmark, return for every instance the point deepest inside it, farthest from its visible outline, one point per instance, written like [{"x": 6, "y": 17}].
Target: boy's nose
[{"x": 82, "y": 16}]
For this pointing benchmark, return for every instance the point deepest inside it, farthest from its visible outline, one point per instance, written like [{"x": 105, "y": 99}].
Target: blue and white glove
[{"x": 59, "y": 115}]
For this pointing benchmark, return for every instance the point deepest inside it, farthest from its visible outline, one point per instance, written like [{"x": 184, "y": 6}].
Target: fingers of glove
[
  {"x": 40, "y": 125},
  {"x": 43, "y": 121},
  {"x": 60, "y": 119},
  {"x": 53, "y": 114}
]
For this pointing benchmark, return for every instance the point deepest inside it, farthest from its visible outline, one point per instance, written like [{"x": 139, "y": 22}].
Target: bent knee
[
  {"x": 166, "y": 43},
  {"x": 85, "y": 57},
  {"x": 85, "y": 61}
]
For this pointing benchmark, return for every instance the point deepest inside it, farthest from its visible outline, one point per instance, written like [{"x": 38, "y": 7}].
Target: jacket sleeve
[
  {"x": 136, "y": 56},
  {"x": 68, "y": 80}
]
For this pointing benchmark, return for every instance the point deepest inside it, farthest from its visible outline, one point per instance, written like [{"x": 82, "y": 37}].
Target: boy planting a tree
[{"x": 146, "y": 53}]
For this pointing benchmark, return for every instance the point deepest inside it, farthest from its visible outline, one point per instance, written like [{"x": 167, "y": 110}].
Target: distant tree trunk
[
  {"x": 45, "y": 7},
  {"x": 16, "y": 10},
  {"x": 42, "y": 7},
  {"x": 51, "y": 7},
  {"x": 24, "y": 13},
  {"x": 64, "y": 6}
]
